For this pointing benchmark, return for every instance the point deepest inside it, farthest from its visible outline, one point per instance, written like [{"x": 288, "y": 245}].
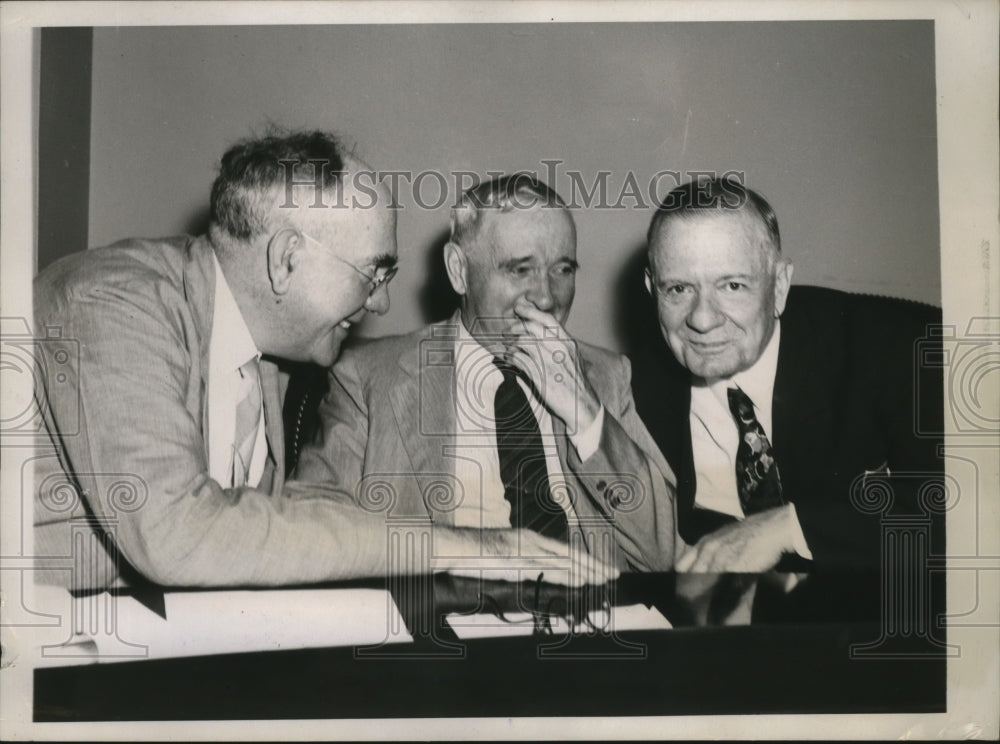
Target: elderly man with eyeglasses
[{"x": 161, "y": 387}]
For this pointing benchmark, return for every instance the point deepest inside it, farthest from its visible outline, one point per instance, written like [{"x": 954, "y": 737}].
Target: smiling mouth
[{"x": 708, "y": 348}]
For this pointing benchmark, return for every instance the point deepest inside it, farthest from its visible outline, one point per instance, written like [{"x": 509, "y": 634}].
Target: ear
[
  {"x": 649, "y": 281},
  {"x": 457, "y": 264},
  {"x": 282, "y": 258},
  {"x": 782, "y": 281}
]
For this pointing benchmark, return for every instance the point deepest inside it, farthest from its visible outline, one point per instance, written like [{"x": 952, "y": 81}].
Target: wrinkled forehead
[
  {"x": 737, "y": 237},
  {"x": 536, "y": 230}
]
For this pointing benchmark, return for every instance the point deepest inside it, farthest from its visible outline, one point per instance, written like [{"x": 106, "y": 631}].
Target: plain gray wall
[{"x": 834, "y": 122}]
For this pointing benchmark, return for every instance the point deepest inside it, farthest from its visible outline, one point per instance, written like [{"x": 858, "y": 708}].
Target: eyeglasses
[{"x": 374, "y": 281}]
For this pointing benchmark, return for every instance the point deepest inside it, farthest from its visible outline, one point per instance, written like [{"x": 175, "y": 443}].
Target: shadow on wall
[
  {"x": 636, "y": 326},
  {"x": 437, "y": 299},
  {"x": 197, "y": 223}
]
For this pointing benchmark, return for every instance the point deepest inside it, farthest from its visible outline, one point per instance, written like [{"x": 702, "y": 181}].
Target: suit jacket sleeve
[
  {"x": 628, "y": 482},
  {"x": 136, "y": 385}
]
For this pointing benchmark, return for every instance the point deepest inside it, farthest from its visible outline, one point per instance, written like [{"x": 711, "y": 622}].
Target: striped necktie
[
  {"x": 522, "y": 461},
  {"x": 248, "y": 414}
]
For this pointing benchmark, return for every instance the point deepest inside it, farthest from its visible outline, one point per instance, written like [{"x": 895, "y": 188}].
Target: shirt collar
[
  {"x": 232, "y": 345},
  {"x": 472, "y": 359}
]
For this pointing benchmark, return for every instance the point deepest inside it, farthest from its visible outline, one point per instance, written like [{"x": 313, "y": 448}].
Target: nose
[
  {"x": 541, "y": 295},
  {"x": 378, "y": 301},
  {"x": 704, "y": 315}
]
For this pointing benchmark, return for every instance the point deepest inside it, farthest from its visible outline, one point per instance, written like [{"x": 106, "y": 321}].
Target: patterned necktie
[
  {"x": 248, "y": 413},
  {"x": 757, "y": 478},
  {"x": 522, "y": 461}
]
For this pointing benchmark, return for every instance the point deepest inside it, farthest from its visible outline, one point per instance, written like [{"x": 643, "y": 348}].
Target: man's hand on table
[
  {"x": 753, "y": 545},
  {"x": 521, "y": 555}
]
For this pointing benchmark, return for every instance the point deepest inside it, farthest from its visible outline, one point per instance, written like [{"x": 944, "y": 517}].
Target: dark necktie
[
  {"x": 307, "y": 384},
  {"x": 522, "y": 461},
  {"x": 757, "y": 478}
]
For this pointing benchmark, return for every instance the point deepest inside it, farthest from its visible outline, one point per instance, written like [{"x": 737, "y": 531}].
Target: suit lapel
[
  {"x": 800, "y": 377},
  {"x": 667, "y": 414},
  {"x": 199, "y": 289},
  {"x": 561, "y": 436},
  {"x": 423, "y": 402},
  {"x": 687, "y": 480}
]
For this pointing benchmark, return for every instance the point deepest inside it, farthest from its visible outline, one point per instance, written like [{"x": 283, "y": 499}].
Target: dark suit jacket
[{"x": 844, "y": 403}]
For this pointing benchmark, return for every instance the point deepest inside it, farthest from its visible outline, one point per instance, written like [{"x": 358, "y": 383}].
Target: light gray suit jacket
[
  {"x": 387, "y": 433},
  {"x": 123, "y": 364}
]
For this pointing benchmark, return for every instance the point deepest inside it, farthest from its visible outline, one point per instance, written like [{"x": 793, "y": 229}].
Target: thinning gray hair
[{"x": 505, "y": 194}]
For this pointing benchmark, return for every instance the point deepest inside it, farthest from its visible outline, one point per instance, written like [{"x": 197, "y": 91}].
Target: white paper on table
[
  {"x": 221, "y": 622},
  {"x": 628, "y": 617}
]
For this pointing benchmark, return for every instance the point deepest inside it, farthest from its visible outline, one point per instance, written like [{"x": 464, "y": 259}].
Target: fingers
[
  {"x": 593, "y": 570},
  {"x": 741, "y": 548},
  {"x": 538, "y": 323},
  {"x": 540, "y": 572},
  {"x": 541, "y": 330},
  {"x": 687, "y": 558},
  {"x": 521, "y": 554},
  {"x": 527, "y": 310},
  {"x": 557, "y": 355},
  {"x": 561, "y": 570},
  {"x": 513, "y": 575},
  {"x": 539, "y": 367},
  {"x": 569, "y": 565},
  {"x": 556, "y": 351},
  {"x": 704, "y": 557}
]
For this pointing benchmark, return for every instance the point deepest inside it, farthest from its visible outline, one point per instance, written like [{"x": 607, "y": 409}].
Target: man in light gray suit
[
  {"x": 161, "y": 391},
  {"x": 497, "y": 417}
]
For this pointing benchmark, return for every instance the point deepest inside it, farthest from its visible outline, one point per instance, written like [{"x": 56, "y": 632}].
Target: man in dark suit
[{"x": 786, "y": 413}]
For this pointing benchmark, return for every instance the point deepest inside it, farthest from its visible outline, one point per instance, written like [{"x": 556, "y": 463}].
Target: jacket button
[
  {"x": 601, "y": 485},
  {"x": 614, "y": 499}
]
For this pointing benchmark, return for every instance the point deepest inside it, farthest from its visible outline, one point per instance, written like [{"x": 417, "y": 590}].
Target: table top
[{"x": 785, "y": 661}]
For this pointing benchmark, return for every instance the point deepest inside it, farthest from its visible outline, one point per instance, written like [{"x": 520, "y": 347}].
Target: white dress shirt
[
  {"x": 477, "y": 464},
  {"x": 715, "y": 437},
  {"x": 230, "y": 347}
]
